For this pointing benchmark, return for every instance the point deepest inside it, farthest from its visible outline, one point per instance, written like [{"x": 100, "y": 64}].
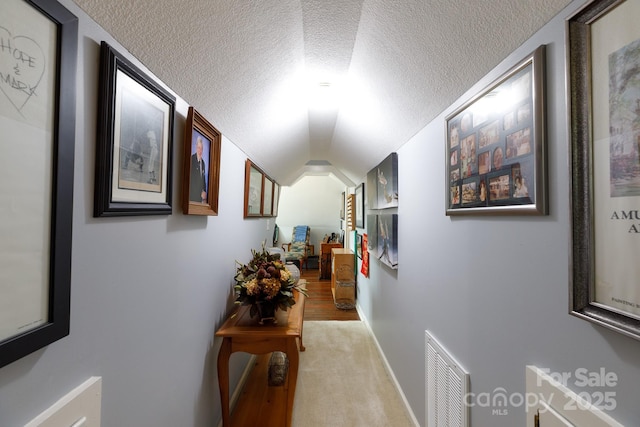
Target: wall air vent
[{"x": 446, "y": 386}]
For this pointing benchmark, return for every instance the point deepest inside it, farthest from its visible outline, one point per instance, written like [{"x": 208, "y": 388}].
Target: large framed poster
[
  {"x": 604, "y": 84},
  {"x": 37, "y": 116}
]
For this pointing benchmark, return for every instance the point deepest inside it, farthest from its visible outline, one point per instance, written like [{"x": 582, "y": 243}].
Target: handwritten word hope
[
  {"x": 19, "y": 55},
  {"x": 22, "y": 65}
]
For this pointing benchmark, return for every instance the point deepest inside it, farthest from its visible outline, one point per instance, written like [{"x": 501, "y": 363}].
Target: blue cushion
[{"x": 300, "y": 233}]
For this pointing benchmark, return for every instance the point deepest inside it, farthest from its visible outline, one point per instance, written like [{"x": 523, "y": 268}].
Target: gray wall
[
  {"x": 147, "y": 293},
  {"x": 493, "y": 290}
]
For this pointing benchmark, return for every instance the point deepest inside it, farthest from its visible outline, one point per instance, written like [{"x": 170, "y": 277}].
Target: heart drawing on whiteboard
[{"x": 22, "y": 63}]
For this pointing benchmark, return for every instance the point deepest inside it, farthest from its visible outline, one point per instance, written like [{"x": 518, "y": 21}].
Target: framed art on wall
[
  {"x": 387, "y": 240},
  {"x": 604, "y": 83},
  {"x": 276, "y": 198},
  {"x": 495, "y": 146},
  {"x": 135, "y": 135},
  {"x": 201, "y": 169},
  {"x": 382, "y": 184},
  {"x": 261, "y": 192},
  {"x": 267, "y": 199},
  {"x": 253, "y": 188},
  {"x": 359, "y": 208},
  {"x": 37, "y": 117}
]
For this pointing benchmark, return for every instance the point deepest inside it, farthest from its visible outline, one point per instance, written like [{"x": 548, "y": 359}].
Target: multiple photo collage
[{"x": 491, "y": 148}]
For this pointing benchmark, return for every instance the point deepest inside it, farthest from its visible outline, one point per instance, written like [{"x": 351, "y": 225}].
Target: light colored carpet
[{"x": 342, "y": 380}]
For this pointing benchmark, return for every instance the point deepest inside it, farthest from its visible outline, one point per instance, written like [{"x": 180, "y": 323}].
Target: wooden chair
[{"x": 298, "y": 249}]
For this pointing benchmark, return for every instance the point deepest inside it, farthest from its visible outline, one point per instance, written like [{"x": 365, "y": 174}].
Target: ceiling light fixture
[{"x": 323, "y": 96}]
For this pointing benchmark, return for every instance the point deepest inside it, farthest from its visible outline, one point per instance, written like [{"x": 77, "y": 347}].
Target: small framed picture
[
  {"x": 135, "y": 137},
  {"x": 201, "y": 176},
  {"x": 253, "y": 190},
  {"x": 267, "y": 198},
  {"x": 359, "y": 207}
]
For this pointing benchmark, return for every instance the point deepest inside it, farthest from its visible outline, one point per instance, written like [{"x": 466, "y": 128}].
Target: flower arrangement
[{"x": 265, "y": 279}]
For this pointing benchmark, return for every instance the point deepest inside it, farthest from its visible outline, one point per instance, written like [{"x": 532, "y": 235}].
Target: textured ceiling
[{"x": 248, "y": 66}]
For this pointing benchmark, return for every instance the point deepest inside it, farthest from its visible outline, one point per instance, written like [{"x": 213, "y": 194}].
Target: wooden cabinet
[
  {"x": 343, "y": 277},
  {"x": 325, "y": 259}
]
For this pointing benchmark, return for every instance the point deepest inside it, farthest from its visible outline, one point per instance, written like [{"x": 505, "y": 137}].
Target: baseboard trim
[
  {"x": 241, "y": 383},
  {"x": 387, "y": 366}
]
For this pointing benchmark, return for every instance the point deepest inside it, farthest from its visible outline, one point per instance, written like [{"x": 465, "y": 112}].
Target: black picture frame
[
  {"x": 603, "y": 79},
  {"x": 359, "y": 205},
  {"x": 134, "y": 142},
  {"x": 56, "y": 326}
]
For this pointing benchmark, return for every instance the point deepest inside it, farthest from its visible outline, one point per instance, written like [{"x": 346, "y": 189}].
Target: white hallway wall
[
  {"x": 147, "y": 293},
  {"x": 492, "y": 290},
  {"x": 314, "y": 201}
]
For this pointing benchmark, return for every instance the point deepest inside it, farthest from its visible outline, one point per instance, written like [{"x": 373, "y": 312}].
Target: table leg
[
  {"x": 302, "y": 347},
  {"x": 292, "y": 354},
  {"x": 223, "y": 380}
]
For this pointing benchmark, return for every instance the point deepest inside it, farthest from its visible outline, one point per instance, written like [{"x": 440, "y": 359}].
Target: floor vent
[{"x": 446, "y": 385}]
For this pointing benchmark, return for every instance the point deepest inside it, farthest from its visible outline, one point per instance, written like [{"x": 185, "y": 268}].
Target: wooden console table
[{"x": 241, "y": 332}]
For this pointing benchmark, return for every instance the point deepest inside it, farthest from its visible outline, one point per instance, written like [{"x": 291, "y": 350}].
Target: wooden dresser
[
  {"x": 325, "y": 259},
  {"x": 343, "y": 271}
]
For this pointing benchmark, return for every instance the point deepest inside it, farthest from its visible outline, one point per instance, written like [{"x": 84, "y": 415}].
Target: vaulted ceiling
[{"x": 320, "y": 86}]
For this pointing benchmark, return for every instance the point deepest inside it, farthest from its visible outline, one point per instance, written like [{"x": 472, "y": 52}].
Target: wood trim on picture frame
[
  {"x": 267, "y": 197},
  {"x": 261, "y": 193},
  {"x": 276, "y": 198},
  {"x": 135, "y": 137},
  {"x": 201, "y": 172},
  {"x": 603, "y": 82},
  {"x": 37, "y": 314},
  {"x": 496, "y": 146},
  {"x": 253, "y": 187}
]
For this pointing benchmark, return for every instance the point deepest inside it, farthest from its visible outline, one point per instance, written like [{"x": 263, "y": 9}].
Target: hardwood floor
[
  {"x": 262, "y": 406},
  {"x": 319, "y": 305}
]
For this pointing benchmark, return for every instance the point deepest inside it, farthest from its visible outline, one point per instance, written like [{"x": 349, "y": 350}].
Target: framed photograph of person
[
  {"x": 603, "y": 85},
  {"x": 201, "y": 166},
  {"x": 490, "y": 136},
  {"x": 38, "y": 121},
  {"x": 135, "y": 137}
]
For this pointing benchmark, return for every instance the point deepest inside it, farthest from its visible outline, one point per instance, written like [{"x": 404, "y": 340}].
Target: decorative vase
[
  {"x": 294, "y": 270},
  {"x": 266, "y": 312}
]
